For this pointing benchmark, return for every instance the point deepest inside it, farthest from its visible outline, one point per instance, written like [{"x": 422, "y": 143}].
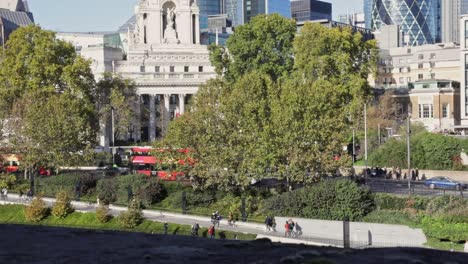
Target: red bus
[{"x": 143, "y": 162}]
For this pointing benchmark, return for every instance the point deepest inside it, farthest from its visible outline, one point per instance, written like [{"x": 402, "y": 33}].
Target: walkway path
[
  {"x": 182, "y": 219},
  {"x": 325, "y": 239}
]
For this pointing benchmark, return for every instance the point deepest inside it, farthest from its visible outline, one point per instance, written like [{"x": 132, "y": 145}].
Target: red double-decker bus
[{"x": 145, "y": 160}]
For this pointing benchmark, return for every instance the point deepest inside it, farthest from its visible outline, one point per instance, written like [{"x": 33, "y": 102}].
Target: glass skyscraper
[
  {"x": 241, "y": 11},
  {"x": 418, "y": 19},
  {"x": 307, "y": 10},
  {"x": 209, "y": 8}
]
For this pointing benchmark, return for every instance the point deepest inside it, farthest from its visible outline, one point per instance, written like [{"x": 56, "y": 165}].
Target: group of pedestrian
[
  {"x": 4, "y": 194},
  {"x": 270, "y": 223},
  {"x": 215, "y": 218},
  {"x": 292, "y": 229},
  {"x": 395, "y": 173}
]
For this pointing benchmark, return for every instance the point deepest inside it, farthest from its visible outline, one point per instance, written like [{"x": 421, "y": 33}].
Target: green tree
[
  {"x": 261, "y": 121},
  {"x": 265, "y": 44},
  {"x": 115, "y": 92},
  {"x": 48, "y": 97}
]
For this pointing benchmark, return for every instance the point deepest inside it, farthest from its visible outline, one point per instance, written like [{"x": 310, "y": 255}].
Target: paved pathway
[{"x": 161, "y": 216}]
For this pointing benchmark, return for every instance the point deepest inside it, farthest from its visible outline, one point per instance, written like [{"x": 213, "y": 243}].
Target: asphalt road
[{"x": 401, "y": 187}]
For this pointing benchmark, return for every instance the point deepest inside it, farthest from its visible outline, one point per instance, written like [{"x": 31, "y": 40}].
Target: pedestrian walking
[
  {"x": 297, "y": 229},
  {"x": 267, "y": 223},
  {"x": 20, "y": 195},
  {"x": 466, "y": 247},
  {"x": 291, "y": 228},
  {"x": 286, "y": 229},
  {"x": 211, "y": 231},
  {"x": 166, "y": 227},
  {"x": 195, "y": 228},
  {"x": 4, "y": 194}
]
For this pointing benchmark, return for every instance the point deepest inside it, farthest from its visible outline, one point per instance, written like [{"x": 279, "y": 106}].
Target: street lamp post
[
  {"x": 113, "y": 137},
  {"x": 408, "y": 141},
  {"x": 365, "y": 140},
  {"x": 354, "y": 145}
]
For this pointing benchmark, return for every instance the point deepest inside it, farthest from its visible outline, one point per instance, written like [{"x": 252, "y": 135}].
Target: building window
[
  {"x": 420, "y": 65},
  {"x": 408, "y": 79},
  {"x": 432, "y": 64},
  {"x": 425, "y": 111},
  {"x": 186, "y": 68},
  {"x": 171, "y": 68},
  {"x": 445, "y": 110},
  {"x": 401, "y": 69},
  {"x": 433, "y": 75},
  {"x": 157, "y": 69},
  {"x": 466, "y": 34},
  {"x": 409, "y": 69},
  {"x": 142, "y": 68},
  {"x": 421, "y": 56},
  {"x": 402, "y": 80},
  {"x": 200, "y": 68},
  {"x": 420, "y": 76},
  {"x": 433, "y": 56}
]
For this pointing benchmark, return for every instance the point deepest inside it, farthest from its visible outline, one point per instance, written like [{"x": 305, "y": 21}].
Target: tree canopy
[
  {"x": 269, "y": 115},
  {"x": 265, "y": 45},
  {"x": 47, "y": 92}
]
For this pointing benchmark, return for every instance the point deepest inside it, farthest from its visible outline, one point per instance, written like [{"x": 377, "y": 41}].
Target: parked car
[{"x": 441, "y": 182}]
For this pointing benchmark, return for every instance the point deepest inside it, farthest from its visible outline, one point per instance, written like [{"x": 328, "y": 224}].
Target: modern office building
[
  {"x": 464, "y": 72},
  {"x": 242, "y": 11},
  {"x": 451, "y": 10},
  {"x": 356, "y": 19},
  {"x": 368, "y": 12},
  {"x": 209, "y": 8},
  {"x": 419, "y": 19},
  {"x": 308, "y": 10}
]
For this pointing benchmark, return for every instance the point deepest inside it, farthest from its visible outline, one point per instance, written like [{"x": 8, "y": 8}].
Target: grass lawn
[
  {"x": 14, "y": 214},
  {"x": 444, "y": 245},
  {"x": 392, "y": 217}
]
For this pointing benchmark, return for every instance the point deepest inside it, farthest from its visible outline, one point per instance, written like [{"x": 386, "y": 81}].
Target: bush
[
  {"x": 68, "y": 182},
  {"x": 445, "y": 231},
  {"x": 102, "y": 214},
  {"x": 7, "y": 181},
  {"x": 133, "y": 216},
  {"x": 107, "y": 190},
  {"x": 449, "y": 209},
  {"x": 330, "y": 200},
  {"x": 36, "y": 211},
  {"x": 62, "y": 206}
]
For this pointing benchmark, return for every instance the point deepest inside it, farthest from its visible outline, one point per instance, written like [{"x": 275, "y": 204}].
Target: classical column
[
  {"x": 152, "y": 118},
  {"x": 167, "y": 112},
  {"x": 181, "y": 104},
  {"x": 137, "y": 127},
  {"x": 197, "y": 27}
]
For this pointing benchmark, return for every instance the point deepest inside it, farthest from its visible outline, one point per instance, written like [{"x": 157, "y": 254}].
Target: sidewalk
[{"x": 182, "y": 219}]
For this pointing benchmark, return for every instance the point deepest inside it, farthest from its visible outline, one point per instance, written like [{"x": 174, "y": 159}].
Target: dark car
[{"x": 441, "y": 182}]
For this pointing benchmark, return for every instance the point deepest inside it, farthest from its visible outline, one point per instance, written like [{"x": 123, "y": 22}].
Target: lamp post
[
  {"x": 408, "y": 142},
  {"x": 113, "y": 135},
  {"x": 365, "y": 140}
]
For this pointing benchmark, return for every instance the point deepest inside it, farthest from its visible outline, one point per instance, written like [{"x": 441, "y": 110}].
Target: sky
[{"x": 109, "y": 15}]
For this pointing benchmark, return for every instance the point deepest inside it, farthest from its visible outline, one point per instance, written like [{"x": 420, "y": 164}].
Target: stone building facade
[{"x": 161, "y": 52}]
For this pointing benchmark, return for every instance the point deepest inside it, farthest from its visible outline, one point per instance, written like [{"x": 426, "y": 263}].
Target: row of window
[
  {"x": 408, "y": 79},
  {"x": 171, "y": 68},
  {"x": 427, "y": 111},
  {"x": 408, "y": 69},
  {"x": 431, "y": 56}
]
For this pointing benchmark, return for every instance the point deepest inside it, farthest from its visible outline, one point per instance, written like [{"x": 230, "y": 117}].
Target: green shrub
[
  {"x": 68, "y": 182},
  {"x": 450, "y": 209},
  {"x": 445, "y": 231},
  {"x": 7, "y": 181},
  {"x": 107, "y": 190},
  {"x": 133, "y": 216},
  {"x": 385, "y": 201},
  {"x": 62, "y": 206},
  {"x": 331, "y": 200},
  {"x": 102, "y": 214},
  {"x": 36, "y": 211}
]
